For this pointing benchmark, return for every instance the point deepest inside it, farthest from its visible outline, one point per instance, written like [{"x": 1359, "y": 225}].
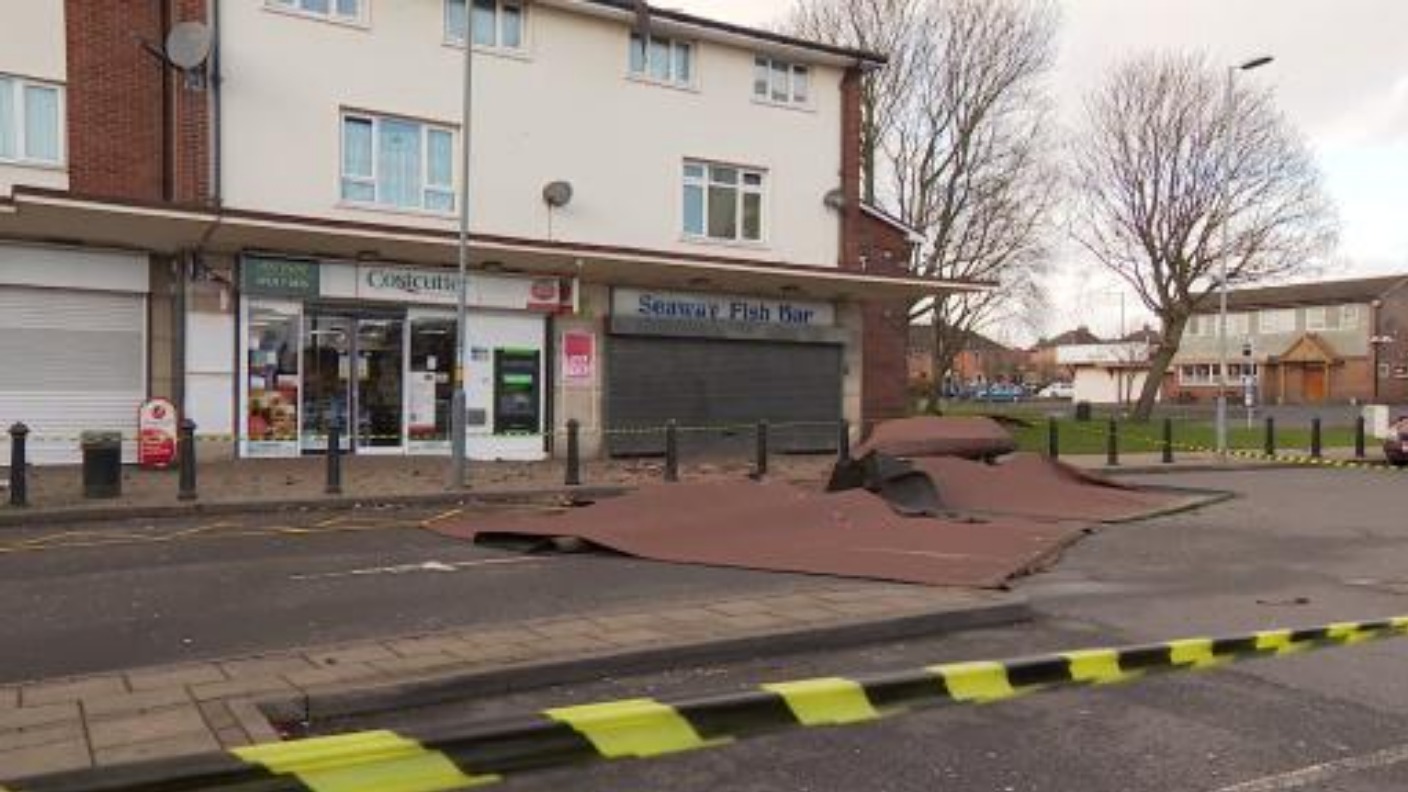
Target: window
[
  {"x": 662, "y": 60},
  {"x": 398, "y": 163},
  {"x": 779, "y": 82},
  {"x": 1278, "y": 321},
  {"x": 1349, "y": 317},
  {"x": 1239, "y": 325},
  {"x": 498, "y": 24},
  {"x": 1204, "y": 375},
  {"x": 723, "y": 202},
  {"x": 336, "y": 10},
  {"x": 31, "y": 122}
]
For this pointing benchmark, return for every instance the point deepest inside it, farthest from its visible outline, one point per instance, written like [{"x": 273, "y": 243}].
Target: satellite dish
[
  {"x": 188, "y": 45},
  {"x": 558, "y": 194},
  {"x": 835, "y": 200}
]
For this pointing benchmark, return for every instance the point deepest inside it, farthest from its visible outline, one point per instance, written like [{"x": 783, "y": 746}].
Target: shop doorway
[{"x": 354, "y": 379}]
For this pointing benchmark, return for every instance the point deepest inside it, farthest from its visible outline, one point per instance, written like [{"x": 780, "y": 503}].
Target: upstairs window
[
  {"x": 336, "y": 10},
  {"x": 1277, "y": 321},
  {"x": 1321, "y": 319},
  {"x": 31, "y": 122},
  {"x": 723, "y": 202},
  {"x": 780, "y": 82},
  {"x": 498, "y": 24},
  {"x": 662, "y": 60},
  {"x": 398, "y": 163}
]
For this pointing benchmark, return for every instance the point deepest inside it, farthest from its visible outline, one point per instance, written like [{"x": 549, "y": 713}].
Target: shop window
[
  {"x": 498, "y": 24},
  {"x": 780, "y": 82},
  {"x": 662, "y": 60},
  {"x": 31, "y": 122},
  {"x": 272, "y": 420},
  {"x": 723, "y": 202},
  {"x": 397, "y": 163}
]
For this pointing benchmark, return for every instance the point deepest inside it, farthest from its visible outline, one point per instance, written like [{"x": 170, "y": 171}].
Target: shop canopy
[{"x": 62, "y": 218}]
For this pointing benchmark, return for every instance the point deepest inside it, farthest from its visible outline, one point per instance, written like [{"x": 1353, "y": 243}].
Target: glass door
[
  {"x": 327, "y": 379},
  {"x": 430, "y": 390},
  {"x": 380, "y": 363}
]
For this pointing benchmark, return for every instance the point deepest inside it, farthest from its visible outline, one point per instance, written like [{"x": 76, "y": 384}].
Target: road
[
  {"x": 1300, "y": 547},
  {"x": 86, "y": 599}
]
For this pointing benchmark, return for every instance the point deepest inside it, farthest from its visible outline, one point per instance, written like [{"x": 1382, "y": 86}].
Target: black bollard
[
  {"x": 1270, "y": 437},
  {"x": 843, "y": 441},
  {"x": 1360, "y": 427},
  {"x": 672, "y": 452},
  {"x": 1317, "y": 449},
  {"x": 574, "y": 453},
  {"x": 760, "y": 464},
  {"x": 19, "y": 466},
  {"x": 1112, "y": 444},
  {"x": 1168, "y": 441},
  {"x": 1053, "y": 438},
  {"x": 334, "y": 486},
  {"x": 186, "y": 449}
]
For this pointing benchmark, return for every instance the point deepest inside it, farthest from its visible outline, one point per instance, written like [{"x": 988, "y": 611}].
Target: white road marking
[
  {"x": 428, "y": 566},
  {"x": 1326, "y": 771}
]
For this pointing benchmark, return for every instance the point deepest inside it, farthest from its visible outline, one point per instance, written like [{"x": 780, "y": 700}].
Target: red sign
[
  {"x": 578, "y": 358},
  {"x": 157, "y": 424},
  {"x": 545, "y": 295}
]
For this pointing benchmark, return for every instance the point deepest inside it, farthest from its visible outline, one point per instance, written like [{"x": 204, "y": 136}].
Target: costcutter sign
[
  {"x": 721, "y": 309},
  {"x": 380, "y": 283}
]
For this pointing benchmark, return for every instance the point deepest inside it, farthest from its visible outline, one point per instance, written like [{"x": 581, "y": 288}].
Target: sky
[{"x": 1340, "y": 73}]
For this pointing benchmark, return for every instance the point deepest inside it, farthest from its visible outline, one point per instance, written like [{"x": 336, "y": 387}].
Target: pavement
[{"x": 144, "y": 640}]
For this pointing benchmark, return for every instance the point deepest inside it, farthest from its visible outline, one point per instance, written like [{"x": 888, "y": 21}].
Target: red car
[{"x": 1396, "y": 446}]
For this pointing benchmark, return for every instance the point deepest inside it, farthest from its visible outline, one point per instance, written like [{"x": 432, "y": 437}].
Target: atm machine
[{"x": 518, "y": 393}]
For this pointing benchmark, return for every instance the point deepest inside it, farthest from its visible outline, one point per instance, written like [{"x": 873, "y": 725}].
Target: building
[
  {"x": 1107, "y": 373},
  {"x": 981, "y": 360},
  {"x": 666, "y": 224},
  {"x": 1311, "y": 343},
  {"x": 1042, "y": 358}
]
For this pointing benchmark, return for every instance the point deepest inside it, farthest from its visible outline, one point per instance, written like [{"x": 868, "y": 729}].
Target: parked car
[
  {"x": 1058, "y": 390},
  {"x": 1396, "y": 445},
  {"x": 1001, "y": 392}
]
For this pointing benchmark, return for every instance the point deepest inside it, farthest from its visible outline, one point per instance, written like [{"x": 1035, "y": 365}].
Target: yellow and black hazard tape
[{"x": 645, "y": 728}]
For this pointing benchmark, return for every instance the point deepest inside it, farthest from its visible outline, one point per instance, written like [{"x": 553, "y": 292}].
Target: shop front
[
  {"x": 717, "y": 364},
  {"x": 369, "y": 350}
]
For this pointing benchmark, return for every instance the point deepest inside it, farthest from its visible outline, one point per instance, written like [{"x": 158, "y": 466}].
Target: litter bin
[
  {"x": 1083, "y": 412},
  {"x": 102, "y": 464}
]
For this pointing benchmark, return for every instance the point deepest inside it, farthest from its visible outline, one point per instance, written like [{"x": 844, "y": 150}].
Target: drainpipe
[
  {"x": 214, "y": 82},
  {"x": 168, "y": 111}
]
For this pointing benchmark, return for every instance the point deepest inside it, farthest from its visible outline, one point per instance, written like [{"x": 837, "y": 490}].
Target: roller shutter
[{"x": 706, "y": 384}]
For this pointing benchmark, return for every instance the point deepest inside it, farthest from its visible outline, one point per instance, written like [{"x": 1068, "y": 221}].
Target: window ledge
[
  {"x": 405, "y": 211},
  {"x": 737, "y": 244},
  {"x": 355, "y": 24},
  {"x": 807, "y": 107},
  {"x": 40, "y": 165},
  {"x": 673, "y": 86},
  {"x": 507, "y": 53}
]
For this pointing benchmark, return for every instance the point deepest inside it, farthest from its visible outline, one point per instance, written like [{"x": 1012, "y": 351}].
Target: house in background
[
  {"x": 982, "y": 360},
  {"x": 1311, "y": 343},
  {"x": 1041, "y": 359},
  {"x": 1107, "y": 373}
]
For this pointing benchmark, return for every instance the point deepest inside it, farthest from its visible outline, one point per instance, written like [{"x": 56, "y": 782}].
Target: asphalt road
[
  {"x": 86, "y": 599},
  {"x": 1301, "y": 547}
]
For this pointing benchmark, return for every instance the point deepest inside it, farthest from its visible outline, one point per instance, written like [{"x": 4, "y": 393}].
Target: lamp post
[
  {"x": 459, "y": 402},
  {"x": 1254, "y": 63}
]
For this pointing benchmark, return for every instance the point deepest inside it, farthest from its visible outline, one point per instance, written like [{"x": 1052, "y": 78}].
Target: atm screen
[{"x": 517, "y": 391}]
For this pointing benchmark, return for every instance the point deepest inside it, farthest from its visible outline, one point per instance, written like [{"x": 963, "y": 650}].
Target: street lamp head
[{"x": 1256, "y": 63}]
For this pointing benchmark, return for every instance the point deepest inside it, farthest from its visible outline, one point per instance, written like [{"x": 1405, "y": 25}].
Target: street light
[
  {"x": 459, "y": 402},
  {"x": 1254, "y": 63}
]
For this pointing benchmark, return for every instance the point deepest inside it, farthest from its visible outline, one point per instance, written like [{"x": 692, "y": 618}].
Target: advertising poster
[
  {"x": 578, "y": 359},
  {"x": 157, "y": 425}
]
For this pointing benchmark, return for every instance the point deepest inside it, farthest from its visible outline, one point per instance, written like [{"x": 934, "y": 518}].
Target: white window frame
[
  {"x": 296, "y": 8},
  {"x": 21, "y": 155},
  {"x": 1239, "y": 325},
  {"x": 742, "y": 188},
  {"x": 1271, "y": 321},
  {"x": 454, "y": 39},
  {"x": 426, "y": 187},
  {"x": 1349, "y": 317},
  {"x": 1205, "y": 375},
  {"x": 1317, "y": 319},
  {"x": 770, "y": 65},
  {"x": 675, "y": 46}
]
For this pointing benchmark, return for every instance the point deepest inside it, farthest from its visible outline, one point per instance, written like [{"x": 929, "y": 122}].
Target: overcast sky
[{"x": 1341, "y": 73}]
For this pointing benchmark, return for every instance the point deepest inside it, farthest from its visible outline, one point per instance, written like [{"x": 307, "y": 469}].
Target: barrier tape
[
  {"x": 387, "y": 761},
  {"x": 1261, "y": 456}
]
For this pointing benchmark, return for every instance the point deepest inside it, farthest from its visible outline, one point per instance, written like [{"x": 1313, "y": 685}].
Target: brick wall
[
  {"x": 117, "y": 128},
  {"x": 1392, "y": 322}
]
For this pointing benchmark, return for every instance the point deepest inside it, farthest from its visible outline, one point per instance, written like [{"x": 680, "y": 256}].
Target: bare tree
[
  {"x": 1171, "y": 179},
  {"x": 958, "y": 127}
]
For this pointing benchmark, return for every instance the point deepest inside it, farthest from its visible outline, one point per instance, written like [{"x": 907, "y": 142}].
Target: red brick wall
[{"x": 116, "y": 118}]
